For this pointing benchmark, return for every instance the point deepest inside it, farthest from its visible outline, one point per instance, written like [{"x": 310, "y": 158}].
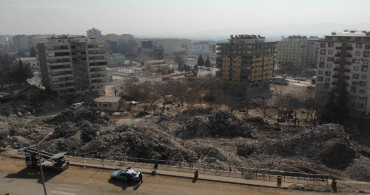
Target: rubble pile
[
  {"x": 209, "y": 154},
  {"x": 244, "y": 150},
  {"x": 337, "y": 153},
  {"x": 304, "y": 144},
  {"x": 138, "y": 143},
  {"x": 217, "y": 124},
  {"x": 25, "y": 101},
  {"x": 195, "y": 112},
  {"x": 90, "y": 114}
]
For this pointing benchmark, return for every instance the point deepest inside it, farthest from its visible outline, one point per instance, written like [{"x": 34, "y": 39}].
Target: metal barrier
[{"x": 203, "y": 168}]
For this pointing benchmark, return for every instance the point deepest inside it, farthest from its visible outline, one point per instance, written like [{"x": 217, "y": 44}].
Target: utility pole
[{"x": 40, "y": 161}]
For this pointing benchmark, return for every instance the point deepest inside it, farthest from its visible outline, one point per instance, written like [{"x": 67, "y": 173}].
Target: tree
[
  {"x": 22, "y": 73},
  {"x": 179, "y": 60},
  {"x": 200, "y": 61},
  {"x": 208, "y": 63},
  {"x": 32, "y": 52}
]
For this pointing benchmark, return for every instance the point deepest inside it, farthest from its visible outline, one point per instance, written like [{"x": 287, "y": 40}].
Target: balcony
[
  {"x": 337, "y": 55},
  {"x": 338, "y": 48},
  {"x": 334, "y": 83},
  {"x": 347, "y": 70},
  {"x": 336, "y": 69},
  {"x": 346, "y": 77},
  {"x": 336, "y": 62},
  {"x": 349, "y": 55},
  {"x": 348, "y": 63},
  {"x": 335, "y": 76},
  {"x": 349, "y": 48}
]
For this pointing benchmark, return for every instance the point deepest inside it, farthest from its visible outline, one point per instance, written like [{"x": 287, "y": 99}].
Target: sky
[{"x": 183, "y": 18}]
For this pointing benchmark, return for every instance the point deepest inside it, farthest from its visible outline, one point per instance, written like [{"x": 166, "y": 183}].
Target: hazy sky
[{"x": 186, "y": 18}]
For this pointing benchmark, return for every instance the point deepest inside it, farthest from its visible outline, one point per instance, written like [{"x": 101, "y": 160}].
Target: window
[
  {"x": 355, "y": 76},
  {"x": 327, "y": 73},
  {"x": 363, "y": 76},
  {"x": 366, "y": 53},
  {"x": 364, "y": 68},
  {"x": 327, "y": 80},
  {"x": 321, "y": 72},
  {"x": 328, "y": 66},
  {"x": 330, "y": 44},
  {"x": 363, "y": 84},
  {"x": 322, "y": 59},
  {"x": 358, "y": 53},
  {"x": 319, "y": 79},
  {"x": 353, "y": 89},
  {"x": 358, "y": 45},
  {"x": 321, "y": 65},
  {"x": 330, "y": 51},
  {"x": 360, "y": 105},
  {"x": 322, "y": 45},
  {"x": 357, "y": 61},
  {"x": 367, "y": 46},
  {"x": 361, "y": 91},
  {"x": 322, "y": 52},
  {"x": 355, "y": 68}
]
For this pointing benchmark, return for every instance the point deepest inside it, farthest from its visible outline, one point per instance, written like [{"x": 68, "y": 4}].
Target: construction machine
[{"x": 48, "y": 160}]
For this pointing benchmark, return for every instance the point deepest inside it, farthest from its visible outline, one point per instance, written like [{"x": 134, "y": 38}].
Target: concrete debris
[
  {"x": 90, "y": 114},
  {"x": 304, "y": 144},
  {"x": 337, "y": 153},
  {"x": 216, "y": 124}
]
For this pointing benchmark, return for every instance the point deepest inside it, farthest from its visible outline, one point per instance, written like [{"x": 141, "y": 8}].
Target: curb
[{"x": 179, "y": 176}]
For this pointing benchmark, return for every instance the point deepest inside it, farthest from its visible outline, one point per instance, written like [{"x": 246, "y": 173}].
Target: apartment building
[
  {"x": 344, "y": 60},
  {"x": 297, "y": 52},
  {"x": 73, "y": 65},
  {"x": 247, "y": 59}
]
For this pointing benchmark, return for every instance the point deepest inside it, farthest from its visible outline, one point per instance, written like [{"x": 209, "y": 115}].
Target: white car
[{"x": 75, "y": 106}]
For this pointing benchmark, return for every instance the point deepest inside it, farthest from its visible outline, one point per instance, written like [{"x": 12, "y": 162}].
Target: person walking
[{"x": 141, "y": 177}]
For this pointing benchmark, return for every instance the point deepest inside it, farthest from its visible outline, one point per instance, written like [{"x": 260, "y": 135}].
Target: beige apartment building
[
  {"x": 246, "y": 58},
  {"x": 73, "y": 65},
  {"x": 297, "y": 52},
  {"x": 344, "y": 60}
]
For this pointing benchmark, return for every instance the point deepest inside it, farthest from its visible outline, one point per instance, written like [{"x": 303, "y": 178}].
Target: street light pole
[{"x": 40, "y": 161}]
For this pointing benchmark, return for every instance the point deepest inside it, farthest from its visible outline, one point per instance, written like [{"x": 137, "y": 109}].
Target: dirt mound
[
  {"x": 90, "y": 114},
  {"x": 304, "y": 144},
  {"x": 217, "y": 124},
  {"x": 337, "y": 154}
]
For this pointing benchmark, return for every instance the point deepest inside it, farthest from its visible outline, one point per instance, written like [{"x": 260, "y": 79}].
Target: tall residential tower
[
  {"x": 343, "y": 63},
  {"x": 73, "y": 65},
  {"x": 246, "y": 59}
]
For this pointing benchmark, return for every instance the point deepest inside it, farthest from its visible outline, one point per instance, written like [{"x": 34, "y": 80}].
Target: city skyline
[{"x": 191, "y": 19}]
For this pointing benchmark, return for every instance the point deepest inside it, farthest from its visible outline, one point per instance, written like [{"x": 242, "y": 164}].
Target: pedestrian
[
  {"x": 141, "y": 177},
  {"x": 155, "y": 166},
  {"x": 334, "y": 185}
]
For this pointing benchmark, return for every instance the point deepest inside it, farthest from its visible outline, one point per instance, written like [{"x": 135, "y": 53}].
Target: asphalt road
[{"x": 17, "y": 179}]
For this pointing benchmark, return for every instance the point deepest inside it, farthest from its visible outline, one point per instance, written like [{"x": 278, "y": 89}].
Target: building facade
[
  {"x": 297, "y": 52},
  {"x": 343, "y": 62},
  {"x": 247, "y": 59},
  {"x": 73, "y": 65}
]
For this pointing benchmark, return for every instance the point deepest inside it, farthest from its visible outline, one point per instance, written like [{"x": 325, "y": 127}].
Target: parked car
[
  {"x": 128, "y": 174},
  {"x": 75, "y": 105}
]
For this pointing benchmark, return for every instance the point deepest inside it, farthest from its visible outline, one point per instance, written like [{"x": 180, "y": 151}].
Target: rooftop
[
  {"x": 352, "y": 33},
  {"x": 107, "y": 99}
]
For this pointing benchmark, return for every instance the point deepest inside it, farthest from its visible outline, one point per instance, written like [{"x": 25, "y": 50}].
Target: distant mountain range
[{"x": 274, "y": 32}]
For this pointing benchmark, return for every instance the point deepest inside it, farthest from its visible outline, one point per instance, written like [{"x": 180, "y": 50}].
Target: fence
[{"x": 203, "y": 168}]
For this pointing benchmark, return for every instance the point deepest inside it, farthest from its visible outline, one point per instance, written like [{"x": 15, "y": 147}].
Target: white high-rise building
[
  {"x": 73, "y": 65},
  {"x": 343, "y": 62}
]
